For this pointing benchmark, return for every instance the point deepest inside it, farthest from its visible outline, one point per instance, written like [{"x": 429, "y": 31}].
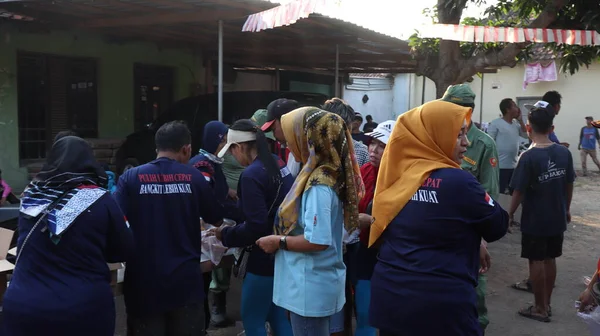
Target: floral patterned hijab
[{"x": 323, "y": 143}]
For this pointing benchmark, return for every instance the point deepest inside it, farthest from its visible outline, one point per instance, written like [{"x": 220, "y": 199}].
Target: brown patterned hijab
[{"x": 323, "y": 143}]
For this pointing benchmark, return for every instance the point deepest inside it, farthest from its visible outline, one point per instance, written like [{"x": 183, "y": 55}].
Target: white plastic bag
[
  {"x": 212, "y": 248},
  {"x": 592, "y": 319}
]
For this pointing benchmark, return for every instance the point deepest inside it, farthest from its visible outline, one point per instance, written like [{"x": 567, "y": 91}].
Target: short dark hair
[
  {"x": 172, "y": 136},
  {"x": 369, "y": 117},
  {"x": 341, "y": 108},
  {"x": 553, "y": 98},
  {"x": 63, "y": 134},
  {"x": 541, "y": 120},
  {"x": 505, "y": 104}
]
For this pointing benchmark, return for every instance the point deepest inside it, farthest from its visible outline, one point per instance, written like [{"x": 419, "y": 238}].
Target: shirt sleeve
[
  {"x": 211, "y": 210},
  {"x": 318, "y": 227},
  {"x": 521, "y": 178},
  {"x": 122, "y": 194},
  {"x": 120, "y": 238},
  {"x": 493, "y": 130},
  {"x": 255, "y": 211},
  {"x": 489, "y": 173},
  {"x": 481, "y": 210},
  {"x": 207, "y": 170}
]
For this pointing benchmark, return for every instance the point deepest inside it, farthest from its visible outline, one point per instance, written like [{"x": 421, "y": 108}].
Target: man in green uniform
[{"x": 481, "y": 159}]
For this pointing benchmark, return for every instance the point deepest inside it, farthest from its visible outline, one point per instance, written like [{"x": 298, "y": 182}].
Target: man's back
[
  {"x": 163, "y": 201},
  {"x": 542, "y": 175}
]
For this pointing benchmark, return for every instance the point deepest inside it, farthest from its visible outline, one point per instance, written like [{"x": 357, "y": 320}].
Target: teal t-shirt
[{"x": 312, "y": 284}]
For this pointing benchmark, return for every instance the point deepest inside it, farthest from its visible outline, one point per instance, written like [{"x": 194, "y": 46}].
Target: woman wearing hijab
[
  {"x": 262, "y": 187},
  {"x": 69, "y": 229},
  {"x": 309, "y": 269},
  {"x": 429, "y": 218}
]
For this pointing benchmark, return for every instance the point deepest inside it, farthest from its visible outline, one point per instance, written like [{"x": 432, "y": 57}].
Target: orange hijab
[{"x": 422, "y": 141}]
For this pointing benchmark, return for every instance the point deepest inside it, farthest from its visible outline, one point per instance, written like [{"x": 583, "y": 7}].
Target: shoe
[{"x": 218, "y": 311}]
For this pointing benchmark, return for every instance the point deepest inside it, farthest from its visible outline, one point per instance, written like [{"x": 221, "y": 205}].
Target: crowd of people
[{"x": 389, "y": 225}]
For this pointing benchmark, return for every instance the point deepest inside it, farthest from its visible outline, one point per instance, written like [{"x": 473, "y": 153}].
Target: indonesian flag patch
[
  {"x": 489, "y": 200},
  {"x": 126, "y": 221}
]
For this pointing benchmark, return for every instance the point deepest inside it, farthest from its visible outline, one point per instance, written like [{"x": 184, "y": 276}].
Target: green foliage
[{"x": 579, "y": 14}]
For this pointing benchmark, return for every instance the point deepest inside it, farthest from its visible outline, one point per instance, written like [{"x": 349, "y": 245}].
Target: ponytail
[{"x": 264, "y": 154}]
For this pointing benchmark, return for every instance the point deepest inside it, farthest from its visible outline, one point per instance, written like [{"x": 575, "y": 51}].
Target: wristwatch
[{"x": 283, "y": 243}]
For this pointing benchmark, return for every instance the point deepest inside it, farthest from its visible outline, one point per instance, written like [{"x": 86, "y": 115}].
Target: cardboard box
[{"x": 5, "y": 239}]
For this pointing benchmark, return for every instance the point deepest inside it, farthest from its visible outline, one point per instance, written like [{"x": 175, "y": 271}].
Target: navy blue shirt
[
  {"x": 258, "y": 194},
  {"x": 66, "y": 286},
  {"x": 428, "y": 261},
  {"x": 164, "y": 201},
  {"x": 213, "y": 174},
  {"x": 542, "y": 175}
]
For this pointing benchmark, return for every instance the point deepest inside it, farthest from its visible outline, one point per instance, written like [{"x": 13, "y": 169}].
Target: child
[
  {"x": 543, "y": 182},
  {"x": 6, "y": 192},
  {"x": 112, "y": 178}
]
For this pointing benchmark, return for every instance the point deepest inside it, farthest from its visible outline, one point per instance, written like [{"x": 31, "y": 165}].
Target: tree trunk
[{"x": 440, "y": 88}]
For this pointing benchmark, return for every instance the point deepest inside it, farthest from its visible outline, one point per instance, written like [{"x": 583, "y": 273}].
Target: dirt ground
[{"x": 580, "y": 254}]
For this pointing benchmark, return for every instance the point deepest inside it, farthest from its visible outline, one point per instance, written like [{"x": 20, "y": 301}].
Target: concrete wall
[
  {"x": 578, "y": 92},
  {"x": 379, "y": 105},
  {"x": 115, "y": 82}
]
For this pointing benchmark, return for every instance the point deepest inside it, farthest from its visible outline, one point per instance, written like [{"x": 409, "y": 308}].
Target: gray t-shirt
[{"x": 507, "y": 137}]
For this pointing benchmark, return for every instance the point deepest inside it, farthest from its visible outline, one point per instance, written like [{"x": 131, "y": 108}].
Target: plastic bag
[
  {"x": 212, "y": 248},
  {"x": 592, "y": 319}
]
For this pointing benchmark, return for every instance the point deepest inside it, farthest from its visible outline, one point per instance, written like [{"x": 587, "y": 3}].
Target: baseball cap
[
  {"x": 260, "y": 118},
  {"x": 459, "y": 94},
  {"x": 383, "y": 131},
  {"x": 276, "y": 109},
  {"x": 540, "y": 105},
  {"x": 236, "y": 137}
]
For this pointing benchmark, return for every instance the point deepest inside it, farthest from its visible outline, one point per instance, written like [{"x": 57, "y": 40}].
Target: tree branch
[{"x": 507, "y": 56}]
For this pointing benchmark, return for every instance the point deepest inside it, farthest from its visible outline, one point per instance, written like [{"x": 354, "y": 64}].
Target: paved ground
[{"x": 580, "y": 255}]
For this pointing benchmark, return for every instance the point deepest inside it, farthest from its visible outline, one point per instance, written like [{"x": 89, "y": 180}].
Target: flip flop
[
  {"x": 528, "y": 313},
  {"x": 524, "y": 286}
]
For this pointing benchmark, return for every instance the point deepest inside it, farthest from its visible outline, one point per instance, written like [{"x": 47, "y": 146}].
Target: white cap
[
  {"x": 383, "y": 131},
  {"x": 235, "y": 137}
]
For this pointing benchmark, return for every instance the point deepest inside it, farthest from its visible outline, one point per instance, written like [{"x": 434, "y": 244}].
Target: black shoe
[{"x": 218, "y": 311}]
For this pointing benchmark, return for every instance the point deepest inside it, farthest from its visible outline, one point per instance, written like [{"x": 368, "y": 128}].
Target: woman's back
[{"x": 68, "y": 281}]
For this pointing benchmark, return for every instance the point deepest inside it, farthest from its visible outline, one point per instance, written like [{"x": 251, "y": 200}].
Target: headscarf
[
  {"x": 322, "y": 142},
  {"x": 422, "y": 141},
  {"x": 69, "y": 183},
  {"x": 212, "y": 136}
]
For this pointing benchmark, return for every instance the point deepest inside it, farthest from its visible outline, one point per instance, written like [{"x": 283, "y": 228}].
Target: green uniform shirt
[
  {"x": 481, "y": 159},
  {"x": 232, "y": 170}
]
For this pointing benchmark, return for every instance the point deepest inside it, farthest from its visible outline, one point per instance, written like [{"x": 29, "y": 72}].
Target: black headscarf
[{"x": 71, "y": 163}]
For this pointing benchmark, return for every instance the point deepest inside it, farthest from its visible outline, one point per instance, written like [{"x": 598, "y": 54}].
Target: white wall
[
  {"x": 578, "y": 91},
  {"x": 380, "y": 104}
]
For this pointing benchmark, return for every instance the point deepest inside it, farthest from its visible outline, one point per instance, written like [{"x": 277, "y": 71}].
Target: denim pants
[
  {"x": 309, "y": 326},
  {"x": 258, "y": 307}
]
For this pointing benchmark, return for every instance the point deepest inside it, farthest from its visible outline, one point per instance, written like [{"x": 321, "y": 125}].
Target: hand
[
  {"x": 511, "y": 219},
  {"x": 586, "y": 300},
  {"x": 269, "y": 244},
  {"x": 216, "y": 232},
  {"x": 566, "y": 144},
  {"x": 232, "y": 194},
  {"x": 364, "y": 220},
  {"x": 485, "y": 260},
  {"x": 579, "y": 147}
]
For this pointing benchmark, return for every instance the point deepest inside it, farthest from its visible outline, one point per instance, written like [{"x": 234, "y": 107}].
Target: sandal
[
  {"x": 524, "y": 286},
  {"x": 530, "y": 314}
]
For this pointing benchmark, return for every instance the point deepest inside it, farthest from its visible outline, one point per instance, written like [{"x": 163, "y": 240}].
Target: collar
[{"x": 211, "y": 157}]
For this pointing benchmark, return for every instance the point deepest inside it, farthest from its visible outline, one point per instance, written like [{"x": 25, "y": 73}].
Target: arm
[
  {"x": 493, "y": 130},
  {"x": 122, "y": 194},
  {"x": 523, "y": 129},
  {"x": 597, "y": 135},
  {"x": 119, "y": 245},
  {"x": 520, "y": 181},
  {"x": 580, "y": 138},
  {"x": 570, "y": 180},
  {"x": 255, "y": 211},
  {"x": 317, "y": 217},
  {"x": 489, "y": 173},
  {"x": 211, "y": 210}
]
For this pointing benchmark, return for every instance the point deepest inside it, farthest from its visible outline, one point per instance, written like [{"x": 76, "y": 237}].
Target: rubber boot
[{"x": 218, "y": 311}]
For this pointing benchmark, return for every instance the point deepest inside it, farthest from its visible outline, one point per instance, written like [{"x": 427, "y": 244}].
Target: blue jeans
[
  {"x": 258, "y": 307},
  {"x": 362, "y": 296},
  {"x": 309, "y": 326}
]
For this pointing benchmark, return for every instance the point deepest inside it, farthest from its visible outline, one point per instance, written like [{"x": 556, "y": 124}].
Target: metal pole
[
  {"x": 423, "y": 90},
  {"x": 481, "y": 101},
  {"x": 220, "y": 74},
  {"x": 337, "y": 70}
]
